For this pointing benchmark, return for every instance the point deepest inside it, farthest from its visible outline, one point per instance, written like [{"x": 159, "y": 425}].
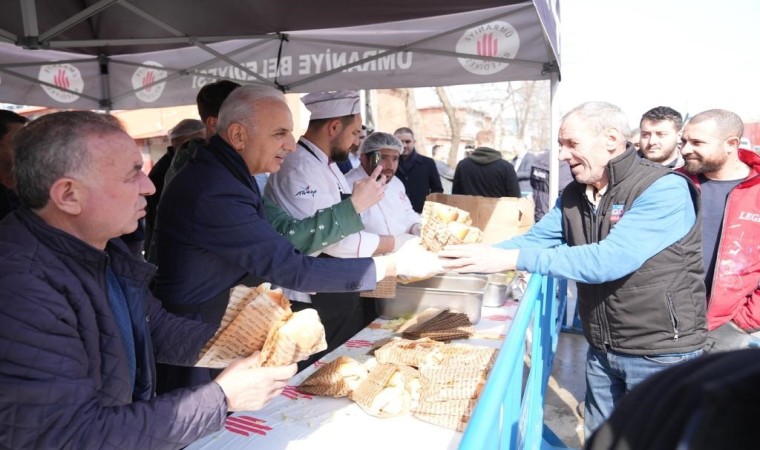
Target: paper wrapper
[
  {"x": 441, "y": 326},
  {"x": 451, "y": 388},
  {"x": 385, "y": 288},
  {"x": 451, "y": 382},
  {"x": 450, "y": 421},
  {"x": 444, "y": 225},
  {"x": 250, "y": 315},
  {"x": 383, "y": 393},
  {"x": 465, "y": 354},
  {"x": 337, "y": 378},
  {"x": 294, "y": 340},
  {"x": 410, "y": 353}
]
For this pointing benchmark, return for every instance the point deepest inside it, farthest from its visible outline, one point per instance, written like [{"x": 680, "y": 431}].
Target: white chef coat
[
  {"x": 393, "y": 214},
  {"x": 353, "y": 158},
  {"x": 306, "y": 183}
]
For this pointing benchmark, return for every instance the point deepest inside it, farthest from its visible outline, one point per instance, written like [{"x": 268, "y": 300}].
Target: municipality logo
[
  {"x": 494, "y": 39},
  {"x": 67, "y": 80},
  {"x": 148, "y": 79}
]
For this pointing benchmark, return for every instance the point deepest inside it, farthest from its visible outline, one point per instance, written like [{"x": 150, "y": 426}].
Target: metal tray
[{"x": 460, "y": 293}]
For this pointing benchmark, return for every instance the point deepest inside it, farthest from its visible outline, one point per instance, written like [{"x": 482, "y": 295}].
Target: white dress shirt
[{"x": 393, "y": 214}]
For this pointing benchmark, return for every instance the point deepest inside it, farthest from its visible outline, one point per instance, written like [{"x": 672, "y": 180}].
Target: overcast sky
[{"x": 691, "y": 55}]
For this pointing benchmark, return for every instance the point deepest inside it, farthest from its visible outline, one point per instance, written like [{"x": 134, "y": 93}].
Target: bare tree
[
  {"x": 412, "y": 114},
  {"x": 454, "y": 125},
  {"x": 530, "y": 104}
]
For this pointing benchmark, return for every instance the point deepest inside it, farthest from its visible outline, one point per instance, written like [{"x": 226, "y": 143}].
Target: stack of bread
[
  {"x": 444, "y": 225},
  {"x": 260, "y": 319},
  {"x": 435, "y": 381}
]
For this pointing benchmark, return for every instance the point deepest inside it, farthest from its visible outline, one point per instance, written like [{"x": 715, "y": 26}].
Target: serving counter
[{"x": 296, "y": 420}]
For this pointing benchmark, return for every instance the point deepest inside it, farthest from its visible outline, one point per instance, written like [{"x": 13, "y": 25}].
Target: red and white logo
[
  {"x": 148, "y": 79},
  {"x": 358, "y": 343},
  {"x": 67, "y": 79},
  {"x": 495, "y": 39},
  {"x": 293, "y": 393},
  {"x": 246, "y": 425}
]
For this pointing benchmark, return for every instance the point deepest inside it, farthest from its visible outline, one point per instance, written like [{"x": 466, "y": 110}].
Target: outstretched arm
[{"x": 327, "y": 226}]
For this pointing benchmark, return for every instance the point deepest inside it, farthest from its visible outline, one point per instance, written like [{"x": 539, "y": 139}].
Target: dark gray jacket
[
  {"x": 659, "y": 308},
  {"x": 64, "y": 378}
]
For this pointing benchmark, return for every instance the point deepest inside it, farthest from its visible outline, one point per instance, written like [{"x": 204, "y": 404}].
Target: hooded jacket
[
  {"x": 485, "y": 173},
  {"x": 735, "y": 293}
]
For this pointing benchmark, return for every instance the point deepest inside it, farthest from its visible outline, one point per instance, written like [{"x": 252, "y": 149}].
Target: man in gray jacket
[{"x": 79, "y": 329}]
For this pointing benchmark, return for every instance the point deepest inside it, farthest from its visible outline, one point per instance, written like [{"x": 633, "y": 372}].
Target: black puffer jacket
[{"x": 64, "y": 379}]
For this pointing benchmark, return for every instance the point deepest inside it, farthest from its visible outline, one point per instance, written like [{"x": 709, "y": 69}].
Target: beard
[
  {"x": 338, "y": 154},
  {"x": 706, "y": 165},
  {"x": 659, "y": 156}
]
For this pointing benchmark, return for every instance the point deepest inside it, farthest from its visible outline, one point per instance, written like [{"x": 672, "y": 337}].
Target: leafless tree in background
[{"x": 454, "y": 125}]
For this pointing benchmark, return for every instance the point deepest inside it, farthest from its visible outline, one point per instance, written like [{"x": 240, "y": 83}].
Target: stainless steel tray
[{"x": 461, "y": 293}]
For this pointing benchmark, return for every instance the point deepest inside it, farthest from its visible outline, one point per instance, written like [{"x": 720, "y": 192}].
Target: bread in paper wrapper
[
  {"x": 384, "y": 393},
  {"x": 444, "y": 225},
  {"x": 450, "y": 389},
  {"x": 410, "y": 352},
  {"x": 294, "y": 340},
  {"x": 250, "y": 314},
  {"x": 338, "y": 378}
]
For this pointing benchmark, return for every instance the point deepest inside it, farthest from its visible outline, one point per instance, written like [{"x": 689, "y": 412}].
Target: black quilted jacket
[{"x": 64, "y": 380}]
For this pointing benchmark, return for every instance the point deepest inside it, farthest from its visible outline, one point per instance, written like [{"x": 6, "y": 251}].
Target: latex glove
[
  {"x": 478, "y": 258},
  {"x": 415, "y": 229},
  {"x": 368, "y": 191},
  {"x": 413, "y": 261},
  {"x": 400, "y": 240}
]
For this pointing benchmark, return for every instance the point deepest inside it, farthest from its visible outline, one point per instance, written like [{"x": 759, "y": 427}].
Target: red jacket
[{"x": 735, "y": 293}]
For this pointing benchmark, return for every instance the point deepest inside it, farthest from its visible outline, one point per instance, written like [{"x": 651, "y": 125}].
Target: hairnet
[{"x": 379, "y": 140}]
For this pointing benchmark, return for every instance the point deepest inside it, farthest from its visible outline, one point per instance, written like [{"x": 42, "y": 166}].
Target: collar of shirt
[
  {"x": 340, "y": 180},
  {"x": 316, "y": 151},
  {"x": 594, "y": 195}
]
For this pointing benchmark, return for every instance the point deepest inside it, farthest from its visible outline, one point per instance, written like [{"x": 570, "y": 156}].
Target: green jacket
[{"x": 326, "y": 227}]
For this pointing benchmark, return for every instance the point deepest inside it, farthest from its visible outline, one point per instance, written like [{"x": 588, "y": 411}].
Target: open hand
[
  {"x": 368, "y": 191},
  {"x": 478, "y": 258}
]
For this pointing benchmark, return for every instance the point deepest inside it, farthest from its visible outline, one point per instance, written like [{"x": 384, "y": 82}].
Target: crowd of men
[{"x": 661, "y": 236}]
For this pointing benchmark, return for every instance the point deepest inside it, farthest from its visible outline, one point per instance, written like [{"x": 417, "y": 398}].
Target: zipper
[
  {"x": 601, "y": 310},
  {"x": 672, "y": 313},
  {"x": 718, "y": 251}
]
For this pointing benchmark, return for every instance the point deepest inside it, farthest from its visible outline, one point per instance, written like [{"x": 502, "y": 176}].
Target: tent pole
[
  {"x": 105, "y": 84},
  {"x": 554, "y": 152}
]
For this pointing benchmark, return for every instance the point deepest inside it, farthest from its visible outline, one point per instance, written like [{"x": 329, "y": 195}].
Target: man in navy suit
[{"x": 212, "y": 232}]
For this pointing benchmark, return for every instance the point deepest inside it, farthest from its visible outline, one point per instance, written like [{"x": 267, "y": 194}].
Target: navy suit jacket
[
  {"x": 420, "y": 177},
  {"x": 212, "y": 231}
]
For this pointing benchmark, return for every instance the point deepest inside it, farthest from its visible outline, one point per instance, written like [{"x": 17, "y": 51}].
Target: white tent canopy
[{"x": 130, "y": 54}]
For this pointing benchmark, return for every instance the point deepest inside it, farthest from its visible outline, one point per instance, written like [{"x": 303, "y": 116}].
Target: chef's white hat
[{"x": 328, "y": 105}]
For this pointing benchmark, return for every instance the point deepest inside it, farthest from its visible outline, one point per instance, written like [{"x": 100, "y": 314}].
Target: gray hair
[
  {"x": 379, "y": 140},
  {"x": 186, "y": 127},
  {"x": 240, "y": 105},
  {"x": 729, "y": 123},
  {"x": 52, "y": 147},
  {"x": 601, "y": 116}
]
